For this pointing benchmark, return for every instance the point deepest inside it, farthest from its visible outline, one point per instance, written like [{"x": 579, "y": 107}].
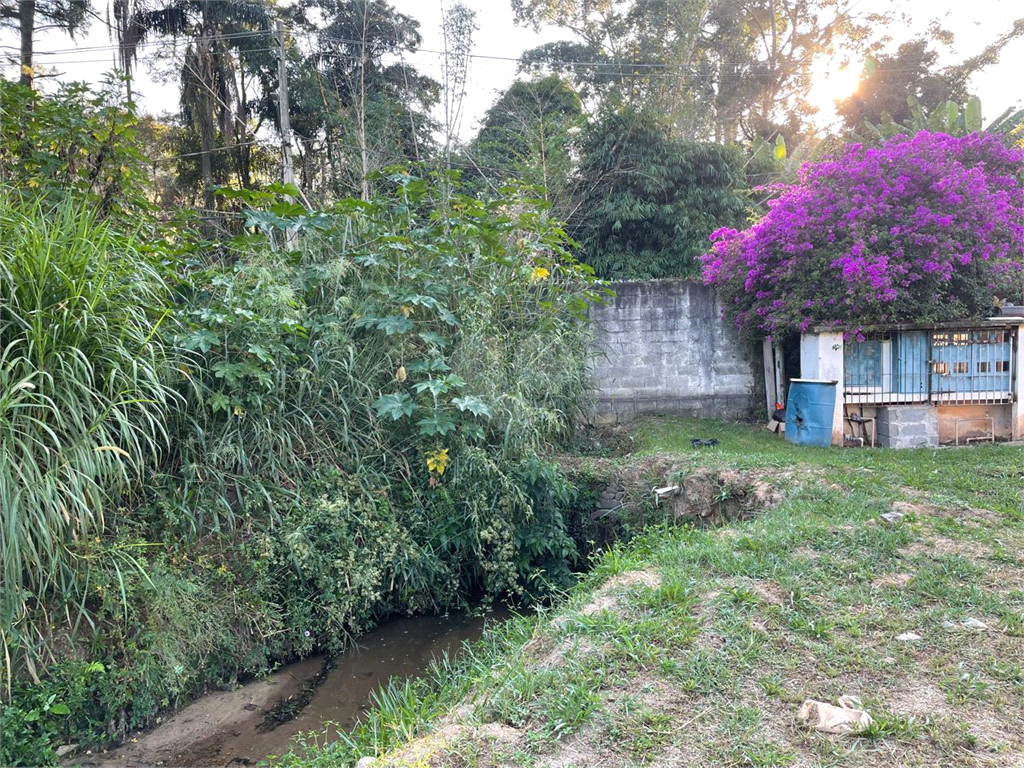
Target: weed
[
  {"x": 818, "y": 628},
  {"x": 743, "y": 597},
  {"x": 772, "y": 685},
  {"x": 84, "y": 395},
  {"x": 761, "y": 756},
  {"x": 885, "y": 725},
  {"x": 642, "y": 734},
  {"x": 964, "y": 688}
]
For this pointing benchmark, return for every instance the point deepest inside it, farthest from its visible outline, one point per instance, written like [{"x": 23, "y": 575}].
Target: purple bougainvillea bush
[{"x": 920, "y": 229}]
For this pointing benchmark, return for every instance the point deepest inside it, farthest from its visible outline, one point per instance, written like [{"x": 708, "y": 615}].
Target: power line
[
  {"x": 145, "y": 44},
  {"x": 572, "y": 63},
  {"x": 160, "y": 160},
  {"x": 624, "y": 66},
  {"x": 61, "y": 62}
]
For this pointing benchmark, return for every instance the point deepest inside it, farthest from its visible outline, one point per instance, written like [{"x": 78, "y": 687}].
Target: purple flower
[{"x": 916, "y": 226}]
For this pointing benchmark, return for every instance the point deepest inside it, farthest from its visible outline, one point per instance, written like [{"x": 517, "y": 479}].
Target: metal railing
[{"x": 947, "y": 366}]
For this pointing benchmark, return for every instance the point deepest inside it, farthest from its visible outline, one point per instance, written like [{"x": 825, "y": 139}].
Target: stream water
[{"x": 241, "y": 727}]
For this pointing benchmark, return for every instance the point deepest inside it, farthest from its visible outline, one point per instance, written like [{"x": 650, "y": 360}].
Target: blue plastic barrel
[{"x": 809, "y": 412}]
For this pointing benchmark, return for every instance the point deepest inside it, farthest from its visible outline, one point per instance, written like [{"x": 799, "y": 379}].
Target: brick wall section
[
  {"x": 908, "y": 426},
  {"x": 662, "y": 347}
]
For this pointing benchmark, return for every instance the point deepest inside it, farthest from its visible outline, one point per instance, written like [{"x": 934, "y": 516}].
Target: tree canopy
[
  {"x": 647, "y": 201},
  {"x": 527, "y": 134},
  {"x": 727, "y": 70}
]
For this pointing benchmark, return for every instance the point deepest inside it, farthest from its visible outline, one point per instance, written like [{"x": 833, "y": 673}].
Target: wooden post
[
  {"x": 780, "y": 374},
  {"x": 770, "y": 393}
]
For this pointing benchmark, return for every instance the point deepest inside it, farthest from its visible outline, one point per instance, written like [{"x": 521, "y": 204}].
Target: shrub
[
  {"x": 74, "y": 141},
  {"x": 357, "y": 427},
  {"x": 428, "y": 349},
  {"x": 920, "y": 229}
]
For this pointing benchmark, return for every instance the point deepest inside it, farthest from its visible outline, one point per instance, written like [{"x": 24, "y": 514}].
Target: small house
[{"x": 904, "y": 386}]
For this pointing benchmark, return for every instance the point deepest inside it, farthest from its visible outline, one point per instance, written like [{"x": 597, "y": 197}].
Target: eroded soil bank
[{"x": 244, "y": 726}]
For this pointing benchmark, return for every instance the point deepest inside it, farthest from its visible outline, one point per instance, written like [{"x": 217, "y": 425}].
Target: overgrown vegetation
[
  {"x": 219, "y": 456},
  {"x": 649, "y": 201},
  {"x": 236, "y": 434},
  {"x": 84, "y": 404}
]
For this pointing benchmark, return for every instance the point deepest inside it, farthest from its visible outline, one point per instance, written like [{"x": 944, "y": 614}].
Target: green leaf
[
  {"x": 220, "y": 402},
  {"x": 395, "y": 324},
  {"x": 60, "y": 709},
  {"x": 391, "y": 325},
  {"x": 972, "y": 115},
  {"x": 420, "y": 300},
  {"x": 395, "y": 406},
  {"x": 434, "y": 386},
  {"x": 264, "y": 220},
  {"x": 474, "y": 431},
  {"x": 428, "y": 365},
  {"x": 434, "y": 339},
  {"x": 287, "y": 209},
  {"x": 201, "y": 340},
  {"x": 436, "y": 424},
  {"x": 473, "y": 404},
  {"x": 952, "y": 113},
  {"x": 261, "y": 352},
  {"x": 440, "y": 386}
]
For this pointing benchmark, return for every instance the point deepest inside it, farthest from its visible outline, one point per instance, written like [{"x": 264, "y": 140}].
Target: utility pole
[{"x": 287, "y": 173}]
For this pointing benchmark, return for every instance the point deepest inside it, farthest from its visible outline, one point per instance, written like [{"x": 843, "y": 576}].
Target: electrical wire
[
  {"x": 161, "y": 160},
  {"x": 144, "y": 44},
  {"x": 625, "y": 66},
  {"x": 62, "y": 62}
]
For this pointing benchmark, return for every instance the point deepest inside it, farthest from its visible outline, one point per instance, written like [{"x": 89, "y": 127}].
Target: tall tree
[
  {"x": 722, "y": 69},
  {"x": 25, "y": 15},
  {"x": 648, "y": 201},
  {"x": 527, "y": 135},
  {"x": 913, "y": 71},
  {"x": 356, "y": 104},
  {"x": 222, "y": 59}
]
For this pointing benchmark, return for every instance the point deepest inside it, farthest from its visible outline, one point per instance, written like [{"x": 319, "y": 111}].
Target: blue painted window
[{"x": 864, "y": 365}]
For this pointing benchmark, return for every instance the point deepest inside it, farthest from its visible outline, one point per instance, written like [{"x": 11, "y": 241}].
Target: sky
[{"x": 975, "y": 23}]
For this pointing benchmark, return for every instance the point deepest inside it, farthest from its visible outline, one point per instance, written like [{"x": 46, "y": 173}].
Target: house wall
[
  {"x": 972, "y": 422},
  {"x": 662, "y": 347},
  {"x": 821, "y": 359}
]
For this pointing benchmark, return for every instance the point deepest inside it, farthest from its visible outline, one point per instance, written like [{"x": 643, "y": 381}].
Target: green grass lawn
[{"x": 696, "y": 646}]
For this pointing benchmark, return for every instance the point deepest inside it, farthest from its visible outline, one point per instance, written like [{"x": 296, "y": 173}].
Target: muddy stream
[{"x": 244, "y": 726}]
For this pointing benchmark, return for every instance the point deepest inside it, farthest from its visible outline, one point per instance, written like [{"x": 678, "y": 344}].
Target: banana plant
[{"x": 947, "y": 117}]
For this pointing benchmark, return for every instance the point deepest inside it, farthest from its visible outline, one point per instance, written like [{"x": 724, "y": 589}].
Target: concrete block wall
[
  {"x": 662, "y": 347},
  {"x": 908, "y": 426}
]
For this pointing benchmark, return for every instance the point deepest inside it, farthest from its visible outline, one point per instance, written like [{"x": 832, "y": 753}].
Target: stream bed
[{"x": 246, "y": 725}]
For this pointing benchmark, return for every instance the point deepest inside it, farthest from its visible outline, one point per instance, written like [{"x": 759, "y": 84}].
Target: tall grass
[{"x": 83, "y": 397}]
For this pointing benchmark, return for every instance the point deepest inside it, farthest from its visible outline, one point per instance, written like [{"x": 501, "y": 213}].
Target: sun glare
[{"x": 832, "y": 82}]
